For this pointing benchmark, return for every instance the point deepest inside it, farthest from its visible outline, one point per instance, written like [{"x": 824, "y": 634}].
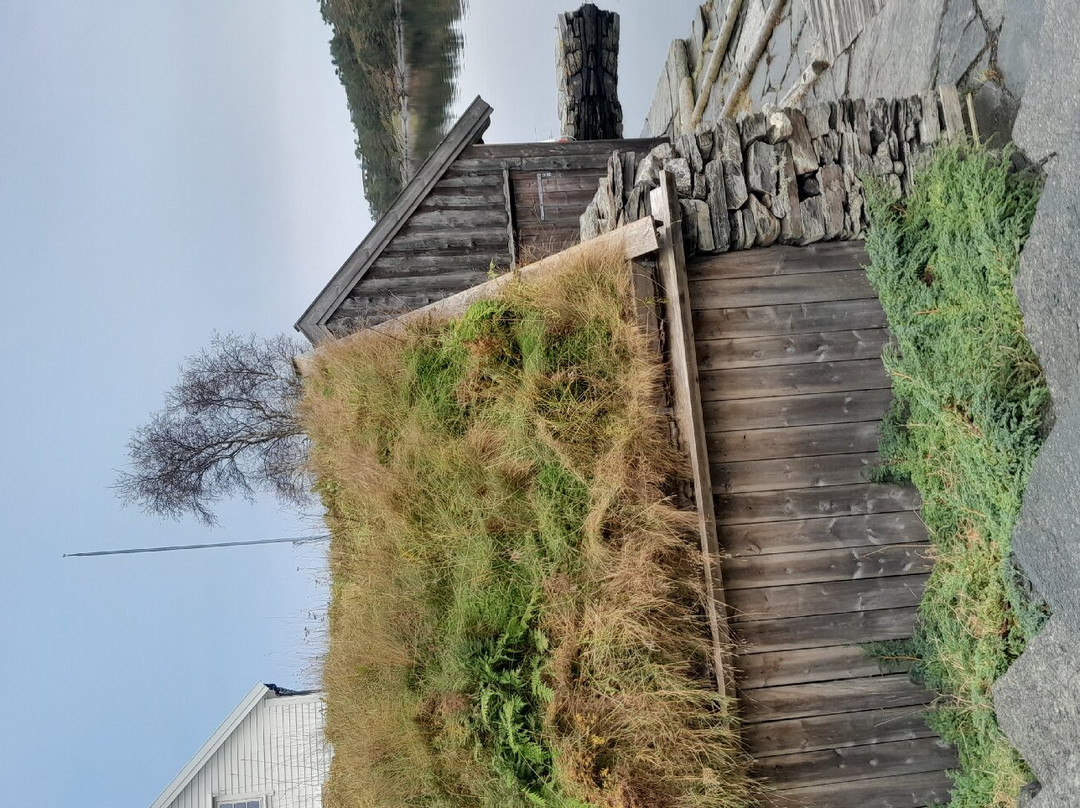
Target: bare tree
[{"x": 229, "y": 427}]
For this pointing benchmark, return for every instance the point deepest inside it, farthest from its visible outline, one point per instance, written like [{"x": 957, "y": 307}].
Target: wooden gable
[{"x": 471, "y": 209}]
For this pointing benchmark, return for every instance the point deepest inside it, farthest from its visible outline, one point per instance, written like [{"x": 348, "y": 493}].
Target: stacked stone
[
  {"x": 586, "y": 69},
  {"x": 778, "y": 176}
]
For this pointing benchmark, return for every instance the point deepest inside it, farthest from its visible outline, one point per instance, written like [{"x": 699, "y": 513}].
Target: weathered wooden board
[
  {"x": 793, "y": 380},
  {"x": 409, "y": 240},
  {"x": 809, "y": 503},
  {"x": 897, "y": 527},
  {"x": 808, "y": 665},
  {"x": 466, "y": 166},
  {"x": 498, "y": 151},
  {"x": 792, "y": 472},
  {"x": 836, "y": 731},
  {"x": 671, "y": 271},
  {"x": 816, "y": 566},
  {"x": 856, "y": 763},
  {"x": 797, "y": 410},
  {"x": 789, "y": 318},
  {"x": 899, "y": 791},
  {"x": 820, "y": 631},
  {"x": 829, "y": 597},
  {"x": 456, "y": 199},
  {"x": 436, "y": 282},
  {"x": 794, "y": 349},
  {"x": 785, "y": 289},
  {"x": 564, "y": 182},
  {"x": 400, "y": 265},
  {"x": 472, "y": 181},
  {"x": 825, "y": 256},
  {"x": 800, "y": 441},
  {"x": 826, "y": 698},
  {"x": 453, "y": 218}
]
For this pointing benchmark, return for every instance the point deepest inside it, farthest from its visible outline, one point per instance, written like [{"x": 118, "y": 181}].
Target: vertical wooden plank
[
  {"x": 509, "y": 201},
  {"x": 954, "y": 115},
  {"x": 688, "y": 413},
  {"x": 645, "y": 297}
]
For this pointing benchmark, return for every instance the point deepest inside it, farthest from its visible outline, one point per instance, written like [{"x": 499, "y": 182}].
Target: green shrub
[{"x": 965, "y": 426}]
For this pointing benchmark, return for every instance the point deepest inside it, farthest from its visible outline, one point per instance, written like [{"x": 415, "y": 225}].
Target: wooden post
[
  {"x": 954, "y": 115},
  {"x": 686, "y": 396},
  {"x": 720, "y": 48},
  {"x": 746, "y": 73}
]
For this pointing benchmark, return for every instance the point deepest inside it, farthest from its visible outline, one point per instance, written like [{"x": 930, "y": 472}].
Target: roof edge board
[
  {"x": 468, "y": 129},
  {"x": 221, "y": 734}
]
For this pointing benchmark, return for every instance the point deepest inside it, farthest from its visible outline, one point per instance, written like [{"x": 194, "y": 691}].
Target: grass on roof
[
  {"x": 516, "y": 615},
  {"x": 965, "y": 426}
]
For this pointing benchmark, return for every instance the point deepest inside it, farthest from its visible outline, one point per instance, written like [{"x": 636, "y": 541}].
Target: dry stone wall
[
  {"x": 777, "y": 176},
  {"x": 586, "y": 70}
]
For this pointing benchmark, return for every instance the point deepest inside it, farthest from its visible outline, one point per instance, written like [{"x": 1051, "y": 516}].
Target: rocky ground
[
  {"x": 1021, "y": 60},
  {"x": 1038, "y": 700}
]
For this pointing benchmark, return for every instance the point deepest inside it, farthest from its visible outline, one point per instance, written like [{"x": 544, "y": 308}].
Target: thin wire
[{"x": 295, "y": 541}]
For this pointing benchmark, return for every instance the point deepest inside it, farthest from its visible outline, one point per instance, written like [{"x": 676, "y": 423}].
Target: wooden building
[
  {"x": 268, "y": 753},
  {"x": 470, "y": 208}
]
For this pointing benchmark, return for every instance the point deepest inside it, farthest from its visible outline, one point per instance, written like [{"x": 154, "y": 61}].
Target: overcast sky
[{"x": 168, "y": 168}]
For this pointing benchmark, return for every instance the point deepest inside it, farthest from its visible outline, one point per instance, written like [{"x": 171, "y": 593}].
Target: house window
[{"x": 245, "y": 803}]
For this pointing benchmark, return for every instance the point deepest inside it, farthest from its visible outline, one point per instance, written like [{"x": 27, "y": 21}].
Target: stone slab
[{"x": 1039, "y": 691}]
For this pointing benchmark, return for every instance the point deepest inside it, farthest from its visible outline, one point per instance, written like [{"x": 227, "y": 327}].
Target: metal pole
[{"x": 295, "y": 541}]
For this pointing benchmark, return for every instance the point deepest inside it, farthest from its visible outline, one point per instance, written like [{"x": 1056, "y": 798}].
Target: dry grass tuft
[{"x": 516, "y": 618}]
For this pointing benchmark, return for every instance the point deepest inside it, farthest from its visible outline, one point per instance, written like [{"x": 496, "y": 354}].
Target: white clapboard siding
[{"x": 271, "y": 747}]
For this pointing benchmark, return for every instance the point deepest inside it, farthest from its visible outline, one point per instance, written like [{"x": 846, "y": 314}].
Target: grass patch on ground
[
  {"x": 516, "y": 616},
  {"x": 965, "y": 427}
]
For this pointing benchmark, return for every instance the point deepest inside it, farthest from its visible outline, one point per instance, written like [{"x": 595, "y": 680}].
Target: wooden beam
[
  {"x": 784, "y": 702},
  {"x": 688, "y": 414},
  {"x": 810, "y": 665},
  {"x": 867, "y": 762},
  {"x": 789, "y": 318},
  {"x": 508, "y": 199},
  {"x": 747, "y": 70},
  {"x": 796, "y": 409},
  {"x": 842, "y": 730},
  {"x": 795, "y": 535}
]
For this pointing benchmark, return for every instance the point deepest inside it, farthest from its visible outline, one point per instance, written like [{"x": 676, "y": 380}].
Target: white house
[{"x": 269, "y": 753}]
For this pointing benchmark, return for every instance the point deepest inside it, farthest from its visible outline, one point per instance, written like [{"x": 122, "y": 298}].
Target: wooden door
[{"x": 547, "y": 206}]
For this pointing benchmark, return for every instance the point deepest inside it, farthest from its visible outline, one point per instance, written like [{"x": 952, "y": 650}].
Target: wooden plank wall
[
  {"x": 817, "y": 559},
  {"x": 462, "y": 229}
]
